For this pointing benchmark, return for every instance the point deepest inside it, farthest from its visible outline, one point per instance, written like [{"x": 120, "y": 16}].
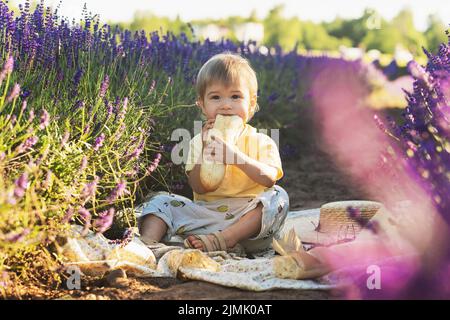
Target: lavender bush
[
  {"x": 86, "y": 114},
  {"x": 60, "y": 63},
  {"x": 416, "y": 168},
  {"x": 53, "y": 173},
  {"x": 424, "y": 138}
]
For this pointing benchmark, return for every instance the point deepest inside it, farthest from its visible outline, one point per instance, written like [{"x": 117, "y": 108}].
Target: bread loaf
[
  {"x": 285, "y": 267},
  {"x": 177, "y": 259},
  {"x": 228, "y": 128}
]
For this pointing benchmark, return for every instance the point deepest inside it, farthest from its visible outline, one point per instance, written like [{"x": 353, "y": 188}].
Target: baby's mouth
[{"x": 227, "y": 114}]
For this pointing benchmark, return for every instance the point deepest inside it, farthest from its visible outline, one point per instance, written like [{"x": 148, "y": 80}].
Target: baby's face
[{"x": 232, "y": 100}]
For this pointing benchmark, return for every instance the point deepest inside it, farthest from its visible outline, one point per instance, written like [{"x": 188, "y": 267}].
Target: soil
[{"x": 310, "y": 178}]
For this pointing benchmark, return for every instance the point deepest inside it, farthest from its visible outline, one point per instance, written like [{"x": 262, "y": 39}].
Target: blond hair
[{"x": 227, "y": 68}]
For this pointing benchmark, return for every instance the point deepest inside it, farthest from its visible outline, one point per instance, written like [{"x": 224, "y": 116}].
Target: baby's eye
[
  {"x": 236, "y": 96},
  {"x": 215, "y": 97}
]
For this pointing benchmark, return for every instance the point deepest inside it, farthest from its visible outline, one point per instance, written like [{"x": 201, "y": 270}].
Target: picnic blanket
[{"x": 95, "y": 255}]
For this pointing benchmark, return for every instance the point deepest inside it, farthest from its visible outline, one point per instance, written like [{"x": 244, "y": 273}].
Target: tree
[
  {"x": 411, "y": 39},
  {"x": 354, "y": 29},
  {"x": 384, "y": 39},
  {"x": 435, "y": 33},
  {"x": 273, "y": 25},
  {"x": 315, "y": 36}
]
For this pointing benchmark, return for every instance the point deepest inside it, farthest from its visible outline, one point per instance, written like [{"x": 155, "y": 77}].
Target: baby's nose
[{"x": 226, "y": 106}]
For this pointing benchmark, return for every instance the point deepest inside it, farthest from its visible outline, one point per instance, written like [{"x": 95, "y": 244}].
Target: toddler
[{"x": 247, "y": 209}]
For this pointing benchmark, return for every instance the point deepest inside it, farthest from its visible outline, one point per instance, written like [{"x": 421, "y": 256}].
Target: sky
[{"x": 317, "y": 11}]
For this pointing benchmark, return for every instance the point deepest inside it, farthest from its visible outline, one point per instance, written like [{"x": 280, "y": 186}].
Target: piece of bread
[
  {"x": 190, "y": 259},
  {"x": 286, "y": 267},
  {"x": 228, "y": 128},
  {"x": 299, "y": 265},
  {"x": 134, "y": 252},
  {"x": 288, "y": 243}
]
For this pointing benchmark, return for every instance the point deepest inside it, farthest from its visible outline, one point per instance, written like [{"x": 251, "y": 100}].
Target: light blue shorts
[{"x": 185, "y": 217}]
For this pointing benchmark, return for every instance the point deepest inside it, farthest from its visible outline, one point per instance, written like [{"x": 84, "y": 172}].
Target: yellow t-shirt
[{"x": 236, "y": 184}]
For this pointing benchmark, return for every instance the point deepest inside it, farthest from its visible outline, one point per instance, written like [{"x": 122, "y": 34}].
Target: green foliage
[
  {"x": 412, "y": 39},
  {"x": 145, "y": 20},
  {"x": 384, "y": 39},
  {"x": 353, "y": 29},
  {"x": 368, "y": 31},
  {"x": 434, "y": 33}
]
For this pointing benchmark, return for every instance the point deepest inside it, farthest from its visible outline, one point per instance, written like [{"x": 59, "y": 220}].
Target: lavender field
[{"x": 86, "y": 116}]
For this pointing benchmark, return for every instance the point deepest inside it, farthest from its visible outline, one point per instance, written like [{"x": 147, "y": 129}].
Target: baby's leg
[
  {"x": 152, "y": 229},
  {"x": 246, "y": 227}
]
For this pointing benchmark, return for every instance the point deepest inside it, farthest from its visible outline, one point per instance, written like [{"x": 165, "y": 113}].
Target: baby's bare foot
[{"x": 198, "y": 244}]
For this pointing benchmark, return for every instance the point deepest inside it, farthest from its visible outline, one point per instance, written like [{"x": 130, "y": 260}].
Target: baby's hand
[
  {"x": 220, "y": 151},
  {"x": 209, "y": 124}
]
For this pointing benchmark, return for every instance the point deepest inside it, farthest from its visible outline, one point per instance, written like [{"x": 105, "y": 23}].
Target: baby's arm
[
  {"x": 259, "y": 172},
  {"x": 194, "y": 181}
]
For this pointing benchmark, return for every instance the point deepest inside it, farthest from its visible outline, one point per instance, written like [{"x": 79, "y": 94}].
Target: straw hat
[{"x": 335, "y": 223}]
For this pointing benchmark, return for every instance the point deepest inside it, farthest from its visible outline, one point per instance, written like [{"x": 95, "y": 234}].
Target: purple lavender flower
[
  {"x": 99, "y": 141},
  {"x": 24, "y": 106},
  {"x": 353, "y": 213},
  {"x": 21, "y": 184},
  {"x": 15, "y": 237},
  {"x": 10, "y": 197},
  {"x": 89, "y": 189},
  {"x": 373, "y": 226},
  {"x": 123, "y": 111},
  {"x": 109, "y": 109},
  {"x": 7, "y": 68},
  {"x": 65, "y": 138},
  {"x": 126, "y": 238},
  {"x": 419, "y": 73},
  {"x": 423, "y": 136},
  {"x": 22, "y": 181},
  {"x": 273, "y": 97},
  {"x": 137, "y": 152},
  {"x": 77, "y": 78},
  {"x": 86, "y": 128},
  {"x": 68, "y": 215},
  {"x": 104, "y": 221},
  {"x": 129, "y": 173},
  {"x": 14, "y": 93},
  {"x": 152, "y": 87},
  {"x": 79, "y": 104},
  {"x": 4, "y": 279},
  {"x": 119, "y": 191},
  {"x": 31, "y": 116},
  {"x": 44, "y": 120},
  {"x": 29, "y": 142},
  {"x": 86, "y": 218},
  {"x": 104, "y": 86},
  {"x": 152, "y": 167},
  {"x": 25, "y": 94},
  {"x": 84, "y": 163},
  {"x": 19, "y": 192}
]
